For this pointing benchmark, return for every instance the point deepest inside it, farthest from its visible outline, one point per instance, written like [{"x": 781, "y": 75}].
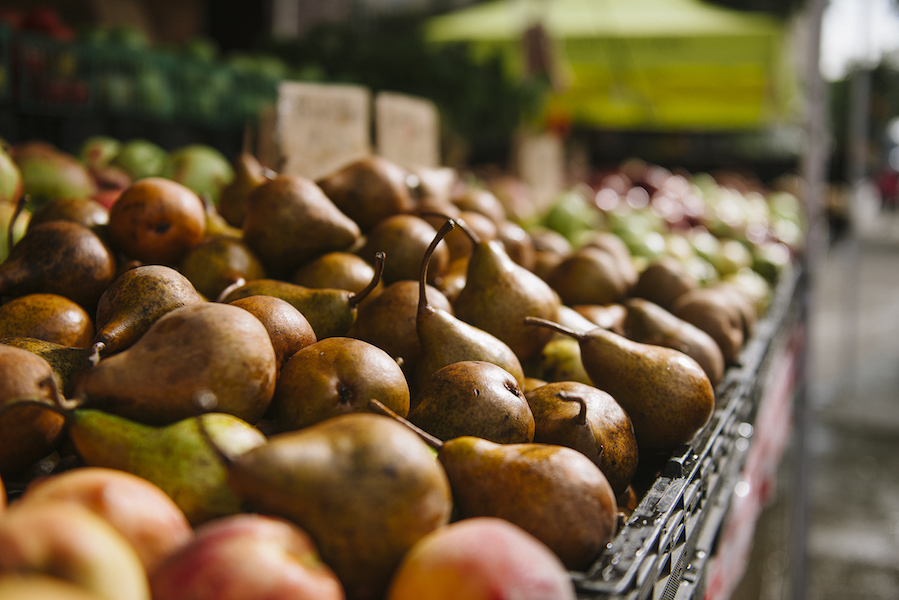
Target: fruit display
[{"x": 229, "y": 382}]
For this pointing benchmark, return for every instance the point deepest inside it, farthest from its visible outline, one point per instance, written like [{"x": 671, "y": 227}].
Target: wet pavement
[{"x": 852, "y": 542}]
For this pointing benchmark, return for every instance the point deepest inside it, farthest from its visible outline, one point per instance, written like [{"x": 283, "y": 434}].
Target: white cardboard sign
[
  {"x": 322, "y": 127},
  {"x": 407, "y": 130}
]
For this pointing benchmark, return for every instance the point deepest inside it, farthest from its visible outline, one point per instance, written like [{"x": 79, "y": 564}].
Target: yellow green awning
[{"x": 648, "y": 64}]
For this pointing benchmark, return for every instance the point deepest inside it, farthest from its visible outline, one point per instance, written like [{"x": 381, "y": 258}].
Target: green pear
[{"x": 177, "y": 457}]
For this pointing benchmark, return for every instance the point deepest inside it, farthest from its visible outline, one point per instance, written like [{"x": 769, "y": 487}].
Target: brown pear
[
  {"x": 614, "y": 245},
  {"x": 28, "y": 431},
  {"x": 667, "y": 395},
  {"x": 715, "y": 313},
  {"x": 194, "y": 359},
  {"x": 589, "y": 275},
  {"x": 48, "y": 317},
  {"x": 589, "y": 420},
  {"x": 368, "y": 190},
  {"x": 446, "y": 339},
  {"x": 331, "y": 312},
  {"x": 67, "y": 362},
  {"x": 499, "y": 293},
  {"x": 217, "y": 262},
  {"x": 473, "y": 398},
  {"x": 555, "y": 493},
  {"x": 290, "y": 221},
  {"x": 136, "y": 300},
  {"x": 388, "y": 321},
  {"x": 608, "y": 316},
  {"x": 248, "y": 175},
  {"x": 663, "y": 281},
  {"x": 518, "y": 244},
  {"x": 338, "y": 270},
  {"x": 335, "y": 376},
  {"x": 365, "y": 488},
  {"x": 649, "y": 323},
  {"x": 59, "y": 257},
  {"x": 157, "y": 220},
  {"x": 405, "y": 239},
  {"x": 89, "y": 213},
  {"x": 288, "y": 329}
]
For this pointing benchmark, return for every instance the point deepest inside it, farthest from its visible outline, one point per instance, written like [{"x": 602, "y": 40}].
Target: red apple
[
  {"x": 481, "y": 558},
  {"x": 140, "y": 511},
  {"x": 246, "y": 556}
]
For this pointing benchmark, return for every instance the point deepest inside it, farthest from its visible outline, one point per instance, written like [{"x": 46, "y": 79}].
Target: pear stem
[
  {"x": 555, "y": 326},
  {"x": 581, "y": 417},
  {"x": 375, "y": 280},
  {"x": 20, "y": 206},
  {"x": 434, "y": 442},
  {"x": 64, "y": 405},
  {"x": 423, "y": 275},
  {"x": 239, "y": 282},
  {"x": 465, "y": 227},
  {"x": 94, "y": 358}
]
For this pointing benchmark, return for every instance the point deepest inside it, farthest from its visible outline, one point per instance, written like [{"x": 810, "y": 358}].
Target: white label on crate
[
  {"x": 322, "y": 127},
  {"x": 407, "y": 130},
  {"x": 541, "y": 164}
]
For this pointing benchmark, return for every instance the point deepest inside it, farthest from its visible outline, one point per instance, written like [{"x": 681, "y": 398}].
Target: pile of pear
[{"x": 371, "y": 356}]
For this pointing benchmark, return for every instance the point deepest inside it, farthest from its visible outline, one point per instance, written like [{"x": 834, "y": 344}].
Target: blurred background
[{"x": 797, "y": 95}]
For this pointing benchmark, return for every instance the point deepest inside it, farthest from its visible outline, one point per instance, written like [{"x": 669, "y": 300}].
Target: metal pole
[{"x": 813, "y": 170}]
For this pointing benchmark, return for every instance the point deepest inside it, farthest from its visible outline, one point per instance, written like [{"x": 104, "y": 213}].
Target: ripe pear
[
  {"x": 405, "y": 239},
  {"x": 59, "y": 257},
  {"x": 559, "y": 360},
  {"x": 667, "y": 395},
  {"x": 331, "y": 312},
  {"x": 607, "y": 316},
  {"x": 157, "y": 220},
  {"x": 663, "y": 281},
  {"x": 555, "y": 493},
  {"x": 589, "y": 275},
  {"x": 473, "y": 398},
  {"x": 217, "y": 262},
  {"x": 289, "y": 221},
  {"x": 248, "y": 175},
  {"x": 388, "y": 321},
  {"x": 649, "y": 323},
  {"x": 368, "y": 190},
  {"x": 65, "y": 361},
  {"x": 446, "y": 339},
  {"x": 136, "y": 300},
  {"x": 365, "y": 487},
  {"x": 194, "y": 359},
  {"x": 48, "y": 317},
  {"x": 715, "y": 313},
  {"x": 177, "y": 458},
  {"x": 334, "y": 376},
  {"x": 337, "y": 270},
  {"x": 85, "y": 211},
  {"x": 589, "y": 420},
  {"x": 287, "y": 327},
  {"x": 29, "y": 430},
  {"x": 499, "y": 293}
]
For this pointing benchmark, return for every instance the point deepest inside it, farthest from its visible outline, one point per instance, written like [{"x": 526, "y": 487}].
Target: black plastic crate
[{"x": 663, "y": 549}]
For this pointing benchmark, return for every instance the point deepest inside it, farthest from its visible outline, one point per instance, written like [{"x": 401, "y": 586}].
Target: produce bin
[{"x": 668, "y": 545}]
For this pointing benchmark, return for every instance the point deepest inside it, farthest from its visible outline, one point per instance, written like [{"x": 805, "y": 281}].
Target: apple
[
  {"x": 21, "y": 586},
  {"x": 480, "y": 558},
  {"x": 138, "y": 509},
  {"x": 246, "y": 556},
  {"x": 70, "y": 542}
]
